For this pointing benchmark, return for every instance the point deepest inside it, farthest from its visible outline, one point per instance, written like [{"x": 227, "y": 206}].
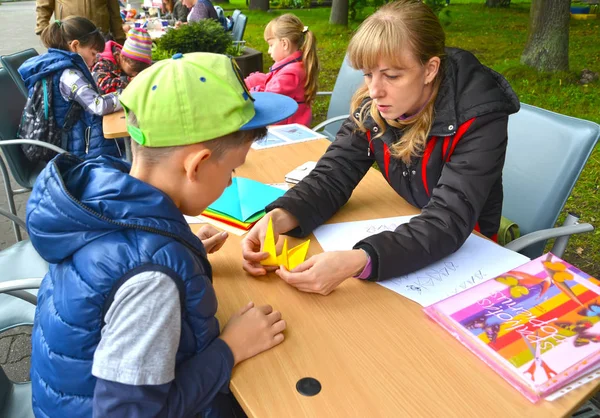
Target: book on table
[{"x": 536, "y": 325}]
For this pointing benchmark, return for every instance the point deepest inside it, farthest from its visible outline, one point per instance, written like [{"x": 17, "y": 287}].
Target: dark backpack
[{"x": 38, "y": 122}]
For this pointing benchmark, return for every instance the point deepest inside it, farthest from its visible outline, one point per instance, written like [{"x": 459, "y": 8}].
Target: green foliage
[
  {"x": 160, "y": 54},
  {"x": 204, "y": 36},
  {"x": 357, "y": 7},
  {"x": 290, "y": 4}
]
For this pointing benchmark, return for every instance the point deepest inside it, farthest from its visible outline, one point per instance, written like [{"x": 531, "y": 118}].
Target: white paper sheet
[{"x": 476, "y": 261}]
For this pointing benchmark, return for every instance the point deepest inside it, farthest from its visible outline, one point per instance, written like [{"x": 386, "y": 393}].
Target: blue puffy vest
[
  {"x": 96, "y": 225},
  {"x": 86, "y": 138}
]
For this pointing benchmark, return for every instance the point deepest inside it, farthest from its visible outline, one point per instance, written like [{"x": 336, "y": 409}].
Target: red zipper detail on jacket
[
  {"x": 386, "y": 161},
  {"x": 428, "y": 150},
  {"x": 459, "y": 133},
  {"x": 370, "y": 142}
]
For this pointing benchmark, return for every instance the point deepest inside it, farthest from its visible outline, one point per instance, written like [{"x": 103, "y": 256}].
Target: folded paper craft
[
  {"x": 288, "y": 258},
  {"x": 245, "y": 198}
]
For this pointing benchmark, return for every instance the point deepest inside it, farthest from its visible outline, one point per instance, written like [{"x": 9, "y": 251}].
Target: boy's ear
[{"x": 193, "y": 162}]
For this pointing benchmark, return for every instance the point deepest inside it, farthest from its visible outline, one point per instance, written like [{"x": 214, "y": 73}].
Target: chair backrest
[
  {"x": 346, "y": 84},
  {"x": 239, "y": 27},
  {"x": 12, "y": 63},
  {"x": 235, "y": 15},
  {"x": 23, "y": 171},
  {"x": 545, "y": 155}
]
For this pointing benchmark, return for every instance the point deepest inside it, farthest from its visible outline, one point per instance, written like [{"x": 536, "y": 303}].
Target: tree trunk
[
  {"x": 547, "y": 47},
  {"x": 339, "y": 13},
  {"x": 497, "y": 3},
  {"x": 259, "y": 5}
]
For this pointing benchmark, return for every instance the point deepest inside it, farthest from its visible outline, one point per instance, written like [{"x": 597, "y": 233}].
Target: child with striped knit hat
[{"x": 117, "y": 65}]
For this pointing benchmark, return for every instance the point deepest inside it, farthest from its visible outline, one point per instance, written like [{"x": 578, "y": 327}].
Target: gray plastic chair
[
  {"x": 545, "y": 156},
  {"x": 12, "y": 62},
  {"x": 239, "y": 27},
  {"x": 21, "y": 273},
  {"x": 235, "y": 15},
  {"x": 346, "y": 83},
  {"x": 23, "y": 171}
]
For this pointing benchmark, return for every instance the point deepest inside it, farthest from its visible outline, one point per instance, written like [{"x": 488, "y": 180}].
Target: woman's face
[{"x": 401, "y": 89}]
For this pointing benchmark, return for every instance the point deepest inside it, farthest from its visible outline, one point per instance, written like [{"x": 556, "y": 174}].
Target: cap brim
[{"x": 270, "y": 108}]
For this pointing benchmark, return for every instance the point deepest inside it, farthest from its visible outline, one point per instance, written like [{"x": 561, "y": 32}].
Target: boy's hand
[
  {"x": 283, "y": 222},
  {"x": 252, "y": 330},
  {"x": 212, "y": 238}
]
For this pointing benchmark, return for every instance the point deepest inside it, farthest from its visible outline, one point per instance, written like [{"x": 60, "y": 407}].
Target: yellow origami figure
[{"x": 288, "y": 258}]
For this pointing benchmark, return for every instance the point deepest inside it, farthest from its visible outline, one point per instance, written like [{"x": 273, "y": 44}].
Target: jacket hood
[
  {"x": 469, "y": 89},
  {"x": 75, "y": 202},
  {"x": 107, "y": 54},
  {"x": 41, "y": 66}
]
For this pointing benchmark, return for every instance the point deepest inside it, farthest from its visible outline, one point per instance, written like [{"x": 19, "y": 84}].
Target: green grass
[{"x": 497, "y": 37}]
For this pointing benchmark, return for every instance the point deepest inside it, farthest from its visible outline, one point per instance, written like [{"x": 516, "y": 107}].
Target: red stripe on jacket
[
  {"x": 386, "y": 161},
  {"x": 459, "y": 133},
  {"x": 426, "y": 155}
]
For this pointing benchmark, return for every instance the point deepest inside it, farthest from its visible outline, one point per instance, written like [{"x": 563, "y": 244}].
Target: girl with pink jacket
[{"x": 294, "y": 49}]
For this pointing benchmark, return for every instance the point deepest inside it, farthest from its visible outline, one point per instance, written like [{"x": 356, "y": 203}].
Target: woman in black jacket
[{"x": 435, "y": 121}]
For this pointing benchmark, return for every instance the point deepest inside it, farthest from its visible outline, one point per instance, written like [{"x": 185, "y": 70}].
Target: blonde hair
[
  {"x": 290, "y": 27},
  {"x": 403, "y": 24}
]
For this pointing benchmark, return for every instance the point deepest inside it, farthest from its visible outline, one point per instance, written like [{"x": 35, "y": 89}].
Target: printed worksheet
[{"x": 476, "y": 261}]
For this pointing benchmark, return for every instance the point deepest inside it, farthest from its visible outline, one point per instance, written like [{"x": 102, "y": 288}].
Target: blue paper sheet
[{"x": 245, "y": 197}]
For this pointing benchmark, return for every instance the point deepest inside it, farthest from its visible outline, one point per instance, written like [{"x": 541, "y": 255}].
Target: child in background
[
  {"x": 294, "y": 49},
  {"x": 72, "y": 45},
  {"x": 125, "y": 322},
  {"x": 117, "y": 65}
]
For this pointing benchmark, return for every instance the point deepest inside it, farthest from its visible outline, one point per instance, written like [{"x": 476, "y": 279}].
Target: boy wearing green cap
[{"x": 125, "y": 322}]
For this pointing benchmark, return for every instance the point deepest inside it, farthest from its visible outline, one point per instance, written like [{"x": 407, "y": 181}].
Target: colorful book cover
[{"x": 536, "y": 325}]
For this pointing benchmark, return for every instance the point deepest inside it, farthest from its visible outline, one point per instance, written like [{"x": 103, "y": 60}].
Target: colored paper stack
[{"x": 243, "y": 203}]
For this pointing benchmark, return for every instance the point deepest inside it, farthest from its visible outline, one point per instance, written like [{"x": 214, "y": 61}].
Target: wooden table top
[
  {"x": 375, "y": 353},
  {"x": 114, "y": 125}
]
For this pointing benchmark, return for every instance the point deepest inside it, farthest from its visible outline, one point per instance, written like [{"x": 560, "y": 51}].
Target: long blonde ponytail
[{"x": 290, "y": 27}]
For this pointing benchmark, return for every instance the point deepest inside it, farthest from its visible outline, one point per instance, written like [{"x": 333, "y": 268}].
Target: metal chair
[
  {"x": 12, "y": 63},
  {"x": 346, "y": 84},
  {"x": 546, "y": 154},
  {"x": 23, "y": 171}
]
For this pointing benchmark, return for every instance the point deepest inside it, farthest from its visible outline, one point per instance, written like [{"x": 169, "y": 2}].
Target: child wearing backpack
[
  {"x": 117, "y": 65},
  {"x": 294, "y": 49},
  {"x": 76, "y": 103},
  {"x": 125, "y": 322}
]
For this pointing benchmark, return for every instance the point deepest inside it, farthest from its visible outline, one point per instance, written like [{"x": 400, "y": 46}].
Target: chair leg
[
  {"x": 560, "y": 244},
  {"x": 10, "y": 198}
]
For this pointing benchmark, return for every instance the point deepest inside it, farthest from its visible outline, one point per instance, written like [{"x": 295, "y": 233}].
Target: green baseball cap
[{"x": 197, "y": 97}]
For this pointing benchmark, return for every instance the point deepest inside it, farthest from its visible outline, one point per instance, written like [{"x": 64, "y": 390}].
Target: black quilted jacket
[{"x": 457, "y": 181}]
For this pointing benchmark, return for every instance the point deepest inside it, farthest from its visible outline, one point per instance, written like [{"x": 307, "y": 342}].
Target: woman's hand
[
  {"x": 212, "y": 238},
  {"x": 324, "y": 272},
  {"x": 283, "y": 221}
]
